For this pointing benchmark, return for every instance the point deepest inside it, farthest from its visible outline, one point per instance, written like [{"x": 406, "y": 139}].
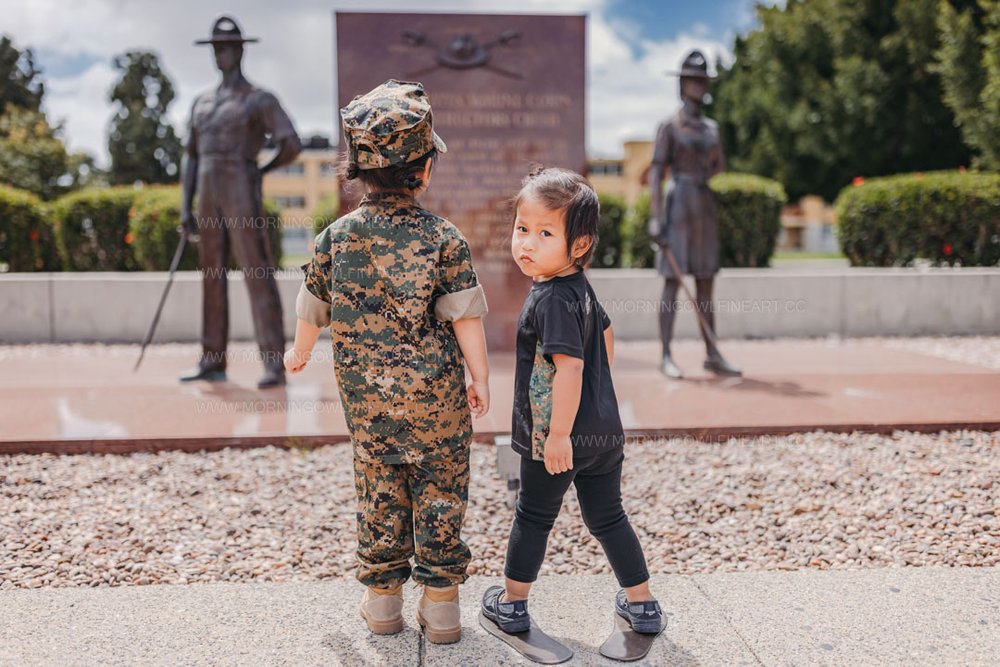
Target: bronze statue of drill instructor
[
  {"x": 228, "y": 127},
  {"x": 684, "y": 221}
]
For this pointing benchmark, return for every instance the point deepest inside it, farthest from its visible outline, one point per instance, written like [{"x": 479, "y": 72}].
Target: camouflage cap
[{"x": 390, "y": 125}]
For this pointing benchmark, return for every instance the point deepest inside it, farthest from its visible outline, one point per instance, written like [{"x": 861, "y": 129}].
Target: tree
[
  {"x": 20, "y": 83},
  {"x": 969, "y": 64},
  {"x": 608, "y": 253},
  {"x": 827, "y": 90},
  {"x": 33, "y": 157},
  {"x": 142, "y": 142}
]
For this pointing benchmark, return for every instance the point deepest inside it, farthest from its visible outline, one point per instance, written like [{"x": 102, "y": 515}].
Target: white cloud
[
  {"x": 80, "y": 103},
  {"x": 627, "y": 94}
]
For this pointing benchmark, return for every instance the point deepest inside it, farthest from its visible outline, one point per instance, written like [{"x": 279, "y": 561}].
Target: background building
[
  {"x": 809, "y": 226},
  {"x": 626, "y": 177},
  {"x": 299, "y": 186}
]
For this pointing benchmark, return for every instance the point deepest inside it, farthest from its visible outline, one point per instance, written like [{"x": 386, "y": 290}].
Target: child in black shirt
[{"x": 566, "y": 424}]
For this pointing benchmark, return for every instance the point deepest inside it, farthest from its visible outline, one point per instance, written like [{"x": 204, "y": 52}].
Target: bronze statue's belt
[
  {"x": 697, "y": 179},
  {"x": 227, "y": 157}
]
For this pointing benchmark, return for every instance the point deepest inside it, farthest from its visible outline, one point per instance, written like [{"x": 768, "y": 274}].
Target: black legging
[{"x": 598, "y": 488}]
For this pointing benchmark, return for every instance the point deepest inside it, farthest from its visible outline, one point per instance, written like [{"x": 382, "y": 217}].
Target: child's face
[
  {"x": 538, "y": 243},
  {"x": 425, "y": 178}
]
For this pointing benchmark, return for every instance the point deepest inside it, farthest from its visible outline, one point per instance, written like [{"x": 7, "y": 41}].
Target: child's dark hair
[
  {"x": 569, "y": 192},
  {"x": 397, "y": 177}
]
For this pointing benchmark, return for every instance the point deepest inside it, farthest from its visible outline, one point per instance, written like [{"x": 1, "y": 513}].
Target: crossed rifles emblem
[{"x": 463, "y": 52}]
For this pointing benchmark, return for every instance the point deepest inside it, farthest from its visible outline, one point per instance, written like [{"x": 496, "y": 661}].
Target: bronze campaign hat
[
  {"x": 695, "y": 65},
  {"x": 226, "y": 30}
]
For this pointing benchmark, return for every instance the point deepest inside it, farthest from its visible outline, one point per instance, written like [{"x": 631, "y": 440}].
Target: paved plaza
[
  {"x": 912, "y": 616},
  {"x": 73, "y": 398}
]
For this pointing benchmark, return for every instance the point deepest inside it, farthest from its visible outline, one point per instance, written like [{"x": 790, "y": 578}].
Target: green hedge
[
  {"x": 945, "y": 217},
  {"x": 155, "y": 218},
  {"x": 749, "y": 213},
  {"x": 154, "y": 222},
  {"x": 610, "y": 230},
  {"x": 748, "y": 210},
  {"x": 133, "y": 229},
  {"x": 326, "y": 211},
  {"x": 92, "y": 229},
  {"x": 27, "y": 240},
  {"x": 638, "y": 251},
  {"x": 274, "y": 229}
]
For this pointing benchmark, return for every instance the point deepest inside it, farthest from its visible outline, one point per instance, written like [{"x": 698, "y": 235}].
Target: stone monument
[{"x": 508, "y": 92}]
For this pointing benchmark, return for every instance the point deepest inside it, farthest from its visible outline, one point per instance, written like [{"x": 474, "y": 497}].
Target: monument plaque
[{"x": 508, "y": 92}]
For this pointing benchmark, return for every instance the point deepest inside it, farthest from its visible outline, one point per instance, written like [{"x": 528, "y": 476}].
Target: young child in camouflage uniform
[{"x": 396, "y": 285}]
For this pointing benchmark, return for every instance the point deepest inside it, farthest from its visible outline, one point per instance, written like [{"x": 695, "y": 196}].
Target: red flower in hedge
[
  {"x": 858, "y": 181},
  {"x": 34, "y": 235},
  {"x": 131, "y": 212},
  {"x": 947, "y": 248},
  {"x": 129, "y": 238}
]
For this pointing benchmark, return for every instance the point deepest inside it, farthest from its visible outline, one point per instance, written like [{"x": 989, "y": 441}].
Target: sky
[{"x": 630, "y": 43}]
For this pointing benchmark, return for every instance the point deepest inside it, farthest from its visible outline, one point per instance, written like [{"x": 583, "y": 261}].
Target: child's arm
[
  {"x": 472, "y": 341},
  {"x": 567, "y": 386},
  {"x": 298, "y": 356},
  {"x": 312, "y": 305},
  {"x": 463, "y": 303}
]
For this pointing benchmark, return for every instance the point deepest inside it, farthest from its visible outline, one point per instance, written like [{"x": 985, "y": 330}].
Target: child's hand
[
  {"x": 479, "y": 398},
  {"x": 295, "y": 361},
  {"x": 558, "y": 454}
]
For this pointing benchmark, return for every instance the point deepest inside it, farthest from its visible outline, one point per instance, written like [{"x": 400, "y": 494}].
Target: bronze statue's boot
[
  {"x": 272, "y": 378},
  {"x": 206, "y": 373},
  {"x": 670, "y": 369},
  {"x": 717, "y": 364}
]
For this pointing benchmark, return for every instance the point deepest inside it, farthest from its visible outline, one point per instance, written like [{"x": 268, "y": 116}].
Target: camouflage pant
[{"x": 411, "y": 509}]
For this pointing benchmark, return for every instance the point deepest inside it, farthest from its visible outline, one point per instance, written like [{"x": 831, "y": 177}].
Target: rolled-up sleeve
[
  {"x": 313, "y": 301},
  {"x": 461, "y": 305},
  {"x": 460, "y": 294},
  {"x": 313, "y": 310}
]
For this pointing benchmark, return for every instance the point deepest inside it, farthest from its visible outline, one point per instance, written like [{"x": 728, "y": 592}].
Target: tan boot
[
  {"x": 441, "y": 620},
  {"x": 384, "y": 613}
]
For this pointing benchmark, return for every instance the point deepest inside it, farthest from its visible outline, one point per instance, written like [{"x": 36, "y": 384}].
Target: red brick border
[{"x": 711, "y": 434}]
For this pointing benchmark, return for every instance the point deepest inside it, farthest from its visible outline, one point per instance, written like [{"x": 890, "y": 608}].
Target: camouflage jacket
[{"x": 388, "y": 279}]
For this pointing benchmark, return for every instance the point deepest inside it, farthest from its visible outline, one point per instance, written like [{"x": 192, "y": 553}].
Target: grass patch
[
  {"x": 781, "y": 255},
  {"x": 295, "y": 260}
]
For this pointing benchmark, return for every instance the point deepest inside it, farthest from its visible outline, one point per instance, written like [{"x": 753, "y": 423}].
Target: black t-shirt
[{"x": 562, "y": 316}]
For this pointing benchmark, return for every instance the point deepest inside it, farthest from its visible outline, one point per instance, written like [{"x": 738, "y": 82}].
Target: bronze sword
[{"x": 163, "y": 298}]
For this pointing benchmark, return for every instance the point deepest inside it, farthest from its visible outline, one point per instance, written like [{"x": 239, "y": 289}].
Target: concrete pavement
[{"x": 911, "y": 616}]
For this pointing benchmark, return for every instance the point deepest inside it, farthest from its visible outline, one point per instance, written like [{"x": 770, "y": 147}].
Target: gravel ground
[
  {"x": 813, "y": 500},
  {"x": 976, "y": 350}
]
